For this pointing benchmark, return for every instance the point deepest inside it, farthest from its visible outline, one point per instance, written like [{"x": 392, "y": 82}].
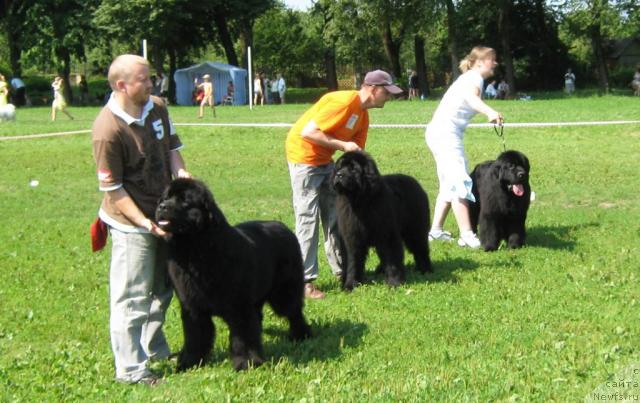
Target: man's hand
[
  {"x": 183, "y": 173},
  {"x": 153, "y": 228},
  {"x": 350, "y": 146}
]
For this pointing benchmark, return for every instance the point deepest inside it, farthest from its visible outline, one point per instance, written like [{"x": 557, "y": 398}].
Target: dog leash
[{"x": 500, "y": 134}]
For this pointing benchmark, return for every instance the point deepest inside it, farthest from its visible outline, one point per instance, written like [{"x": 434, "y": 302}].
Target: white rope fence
[{"x": 373, "y": 126}]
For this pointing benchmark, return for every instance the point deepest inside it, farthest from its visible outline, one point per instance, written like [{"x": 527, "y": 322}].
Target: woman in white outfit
[{"x": 444, "y": 137}]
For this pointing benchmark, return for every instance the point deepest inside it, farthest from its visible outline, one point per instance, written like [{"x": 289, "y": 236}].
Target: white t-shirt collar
[{"x": 119, "y": 112}]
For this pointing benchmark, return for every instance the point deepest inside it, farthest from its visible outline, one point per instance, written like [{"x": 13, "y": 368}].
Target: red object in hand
[{"x": 99, "y": 234}]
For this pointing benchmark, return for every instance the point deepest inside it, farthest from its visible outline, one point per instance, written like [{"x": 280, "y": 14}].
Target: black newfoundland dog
[
  {"x": 230, "y": 272},
  {"x": 503, "y": 194},
  {"x": 381, "y": 212}
]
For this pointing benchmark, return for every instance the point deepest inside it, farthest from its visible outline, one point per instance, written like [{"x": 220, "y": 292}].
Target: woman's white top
[{"x": 454, "y": 112}]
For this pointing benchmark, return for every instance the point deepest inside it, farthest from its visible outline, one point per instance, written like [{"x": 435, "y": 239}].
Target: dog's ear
[
  {"x": 497, "y": 170},
  {"x": 215, "y": 214},
  {"x": 371, "y": 174},
  {"x": 525, "y": 162}
]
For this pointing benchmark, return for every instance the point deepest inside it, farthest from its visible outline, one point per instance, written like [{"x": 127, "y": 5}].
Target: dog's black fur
[
  {"x": 503, "y": 194},
  {"x": 229, "y": 272},
  {"x": 381, "y": 212}
]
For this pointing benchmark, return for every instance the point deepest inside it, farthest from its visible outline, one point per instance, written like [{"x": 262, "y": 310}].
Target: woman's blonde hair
[{"x": 477, "y": 53}]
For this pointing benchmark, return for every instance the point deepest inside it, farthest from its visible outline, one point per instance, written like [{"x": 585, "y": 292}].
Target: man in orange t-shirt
[{"x": 338, "y": 121}]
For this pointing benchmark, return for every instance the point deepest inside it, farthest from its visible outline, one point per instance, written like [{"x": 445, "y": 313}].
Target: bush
[{"x": 621, "y": 77}]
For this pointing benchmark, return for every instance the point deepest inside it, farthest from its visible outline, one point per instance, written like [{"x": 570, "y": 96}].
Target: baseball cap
[
  {"x": 382, "y": 79},
  {"x": 206, "y": 76}
]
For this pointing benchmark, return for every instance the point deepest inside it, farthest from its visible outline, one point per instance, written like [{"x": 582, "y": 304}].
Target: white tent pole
[{"x": 250, "y": 78}]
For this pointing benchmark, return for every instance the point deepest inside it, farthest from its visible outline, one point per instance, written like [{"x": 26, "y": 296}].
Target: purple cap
[{"x": 383, "y": 79}]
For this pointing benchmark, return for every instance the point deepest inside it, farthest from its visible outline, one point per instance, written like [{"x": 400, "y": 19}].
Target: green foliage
[
  {"x": 302, "y": 54},
  {"x": 549, "y": 322}
]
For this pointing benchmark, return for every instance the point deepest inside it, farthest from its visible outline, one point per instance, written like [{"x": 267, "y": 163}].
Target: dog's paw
[
  {"x": 186, "y": 361},
  {"x": 242, "y": 363}
]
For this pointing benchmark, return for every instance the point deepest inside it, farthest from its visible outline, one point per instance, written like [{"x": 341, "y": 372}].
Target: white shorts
[{"x": 451, "y": 165}]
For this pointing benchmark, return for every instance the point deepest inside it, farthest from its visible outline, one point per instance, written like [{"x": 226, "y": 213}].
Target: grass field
[{"x": 552, "y": 321}]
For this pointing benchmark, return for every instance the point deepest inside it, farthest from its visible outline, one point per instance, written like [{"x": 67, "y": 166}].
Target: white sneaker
[
  {"x": 469, "y": 239},
  {"x": 440, "y": 235}
]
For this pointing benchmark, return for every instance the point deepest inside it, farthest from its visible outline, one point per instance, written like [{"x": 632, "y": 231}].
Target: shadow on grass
[
  {"x": 327, "y": 343},
  {"x": 443, "y": 271},
  {"x": 555, "y": 237}
]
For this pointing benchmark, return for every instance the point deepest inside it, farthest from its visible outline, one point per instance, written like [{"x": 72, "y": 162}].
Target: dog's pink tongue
[{"x": 517, "y": 190}]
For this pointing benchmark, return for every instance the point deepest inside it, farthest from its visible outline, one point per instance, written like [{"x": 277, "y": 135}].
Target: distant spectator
[
  {"x": 208, "y": 96},
  {"x": 490, "y": 92},
  {"x": 413, "y": 85},
  {"x": 4, "y": 91},
  {"x": 503, "y": 90},
  {"x": 274, "y": 91},
  {"x": 266, "y": 84},
  {"x": 83, "y": 88},
  {"x": 257, "y": 90},
  {"x": 569, "y": 82},
  {"x": 164, "y": 87},
  {"x": 19, "y": 92},
  {"x": 59, "y": 102},
  {"x": 155, "y": 85},
  {"x": 228, "y": 99},
  {"x": 282, "y": 88},
  {"x": 635, "y": 84}
]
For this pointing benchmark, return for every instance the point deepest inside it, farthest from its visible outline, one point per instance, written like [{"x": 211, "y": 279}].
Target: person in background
[
  {"x": 503, "y": 90},
  {"x": 208, "y": 96},
  {"x": 569, "y": 82},
  {"x": 137, "y": 152},
  {"x": 59, "y": 102},
  {"x": 635, "y": 83},
  {"x": 155, "y": 86},
  {"x": 164, "y": 87},
  {"x": 339, "y": 121},
  {"x": 4, "y": 91},
  {"x": 19, "y": 92},
  {"x": 490, "y": 92},
  {"x": 83, "y": 89},
  {"x": 274, "y": 91},
  {"x": 265, "y": 89},
  {"x": 282, "y": 88},
  {"x": 257, "y": 90},
  {"x": 230, "y": 92},
  {"x": 444, "y": 136},
  {"x": 413, "y": 86}
]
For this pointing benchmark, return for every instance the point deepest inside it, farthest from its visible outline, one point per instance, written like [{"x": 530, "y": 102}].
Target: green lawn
[{"x": 552, "y": 321}]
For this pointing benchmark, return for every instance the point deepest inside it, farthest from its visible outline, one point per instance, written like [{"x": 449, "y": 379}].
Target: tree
[
  {"x": 325, "y": 11},
  {"x": 452, "y": 22},
  {"x": 54, "y": 31},
  {"x": 283, "y": 45},
  {"x": 12, "y": 13},
  {"x": 172, "y": 28},
  {"x": 243, "y": 16}
]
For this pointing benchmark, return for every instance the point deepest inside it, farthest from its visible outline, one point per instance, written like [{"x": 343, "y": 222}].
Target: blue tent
[{"x": 220, "y": 73}]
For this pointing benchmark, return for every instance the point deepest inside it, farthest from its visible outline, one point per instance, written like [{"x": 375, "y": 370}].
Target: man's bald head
[{"x": 122, "y": 67}]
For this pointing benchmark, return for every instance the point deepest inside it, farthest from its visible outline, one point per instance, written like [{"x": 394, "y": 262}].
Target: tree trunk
[
  {"x": 453, "y": 43},
  {"x": 504, "y": 24},
  {"x": 157, "y": 58},
  {"x": 330, "y": 68},
  {"x": 598, "y": 53},
  {"x": 63, "y": 55},
  {"x": 392, "y": 49},
  {"x": 246, "y": 40},
  {"x": 173, "y": 66},
  {"x": 225, "y": 38},
  {"x": 545, "y": 74},
  {"x": 421, "y": 65}
]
